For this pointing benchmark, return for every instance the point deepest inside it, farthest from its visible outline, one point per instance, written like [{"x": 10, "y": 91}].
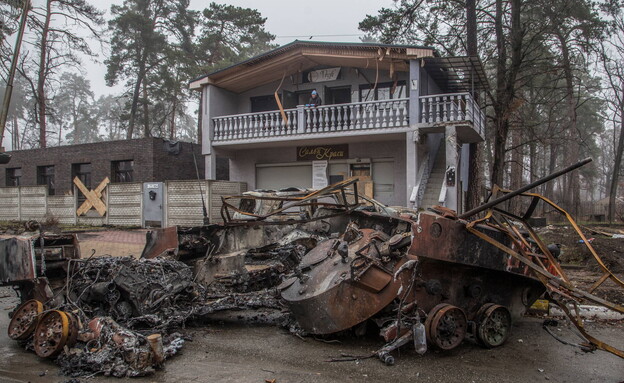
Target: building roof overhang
[{"x": 300, "y": 56}]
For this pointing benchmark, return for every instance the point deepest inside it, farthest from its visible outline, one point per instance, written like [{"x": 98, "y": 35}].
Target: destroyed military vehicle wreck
[{"x": 319, "y": 262}]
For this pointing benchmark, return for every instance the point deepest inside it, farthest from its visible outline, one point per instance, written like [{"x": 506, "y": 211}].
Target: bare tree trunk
[
  {"x": 572, "y": 183},
  {"x": 172, "y": 127},
  {"x": 516, "y": 166},
  {"x": 474, "y": 159},
  {"x": 146, "y": 121},
  {"x": 506, "y": 75},
  {"x": 618, "y": 164},
  {"x": 42, "y": 75},
  {"x": 16, "y": 134},
  {"x": 135, "y": 100}
]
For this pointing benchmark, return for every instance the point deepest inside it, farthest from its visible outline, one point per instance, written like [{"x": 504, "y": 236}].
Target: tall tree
[
  {"x": 112, "y": 117},
  {"x": 59, "y": 46},
  {"x": 612, "y": 57},
  {"x": 74, "y": 106},
  {"x": 228, "y": 34},
  {"x": 144, "y": 32},
  {"x": 518, "y": 43}
]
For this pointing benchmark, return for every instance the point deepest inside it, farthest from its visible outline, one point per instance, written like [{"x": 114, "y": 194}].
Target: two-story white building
[{"x": 398, "y": 116}]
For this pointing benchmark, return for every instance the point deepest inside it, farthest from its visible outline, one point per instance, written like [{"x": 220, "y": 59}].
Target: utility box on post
[{"x": 153, "y": 204}]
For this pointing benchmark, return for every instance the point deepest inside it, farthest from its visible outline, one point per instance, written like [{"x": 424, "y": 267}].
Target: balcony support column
[
  {"x": 415, "y": 153},
  {"x": 414, "y": 93},
  {"x": 452, "y": 174}
]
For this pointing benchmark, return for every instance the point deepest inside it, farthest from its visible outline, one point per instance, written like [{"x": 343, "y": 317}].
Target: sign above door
[
  {"x": 322, "y": 75},
  {"x": 322, "y": 153}
]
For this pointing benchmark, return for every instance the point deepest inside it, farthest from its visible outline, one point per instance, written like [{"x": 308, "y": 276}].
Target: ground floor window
[
  {"x": 83, "y": 172},
  {"x": 13, "y": 176},
  {"x": 45, "y": 176},
  {"x": 122, "y": 171}
]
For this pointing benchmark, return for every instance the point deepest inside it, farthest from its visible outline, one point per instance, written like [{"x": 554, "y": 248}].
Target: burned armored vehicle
[
  {"x": 431, "y": 277},
  {"x": 415, "y": 273}
]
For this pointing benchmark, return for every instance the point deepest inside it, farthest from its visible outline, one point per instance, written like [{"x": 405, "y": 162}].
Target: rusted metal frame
[
  {"x": 551, "y": 278},
  {"x": 576, "y": 319},
  {"x": 531, "y": 209},
  {"x": 580, "y": 233},
  {"x": 547, "y": 280},
  {"x": 510, "y": 251},
  {"x": 225, "y": 214},
  {"x": 579, "y": 325},
  {"x": 260, "y": 217},
  {"x": 372, "y": 260},
  {"x": 599, "y": 282},
  {"x": 523, "y": 189},
  {"x": 317, "y": 194},
  {"x": 287, "y": 222},
  {"x": 537, "y": 240}
]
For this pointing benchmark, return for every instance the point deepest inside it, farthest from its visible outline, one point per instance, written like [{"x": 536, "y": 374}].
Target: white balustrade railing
[
  {"x": 357, "y": 116},
  {"x": 255, "y": 125},
  {"x": 451, "y": 107}
]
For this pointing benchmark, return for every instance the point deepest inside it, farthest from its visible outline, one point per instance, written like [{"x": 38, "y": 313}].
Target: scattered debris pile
[
  {"x": 130, "y": 307},
  {"x": 155, "y": 294},
  {"x": 113, "y": 350}
]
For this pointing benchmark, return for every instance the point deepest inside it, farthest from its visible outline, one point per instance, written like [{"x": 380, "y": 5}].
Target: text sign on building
[
  {"x": 321, "y": 75},
  {"x": 322, "y": 153}
]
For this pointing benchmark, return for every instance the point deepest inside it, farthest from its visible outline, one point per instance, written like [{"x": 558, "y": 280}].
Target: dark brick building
[{"x": 138, "y": 160}]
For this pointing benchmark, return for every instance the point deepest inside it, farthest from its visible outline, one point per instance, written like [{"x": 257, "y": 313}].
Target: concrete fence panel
[
  {"x": 125, "y": 204},
  {"x": 33, "y": 203},
  {"x": 62, "y": 208},
  {"x": 183, "y": 200},
  {"x": 9, "y": 204},
  {"x": 182, "y": 203}
]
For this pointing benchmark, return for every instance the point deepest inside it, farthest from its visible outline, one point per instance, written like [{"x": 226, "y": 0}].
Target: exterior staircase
[{"x": 434, "y": 183}]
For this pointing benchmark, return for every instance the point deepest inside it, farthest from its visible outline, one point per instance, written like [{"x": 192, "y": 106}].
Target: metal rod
[
  {"x": 6, "y": 102},
  {"x": 523, "y": 189}
]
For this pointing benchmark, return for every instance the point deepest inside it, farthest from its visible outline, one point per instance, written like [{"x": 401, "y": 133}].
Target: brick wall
[
  {"x": 168, "y": 166},
  {"x": 151, "y": 161}
]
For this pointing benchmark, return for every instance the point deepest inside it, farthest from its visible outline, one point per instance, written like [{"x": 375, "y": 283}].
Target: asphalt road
[{"x": 234, "y": 353}]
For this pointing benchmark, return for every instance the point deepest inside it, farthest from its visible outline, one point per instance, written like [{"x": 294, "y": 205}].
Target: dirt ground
[
  {"x": 580, "y": 265},
  {"x": 236, "y": 353}
]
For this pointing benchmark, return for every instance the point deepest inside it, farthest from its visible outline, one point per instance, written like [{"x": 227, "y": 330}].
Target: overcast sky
[{"x": 324, "y": 20}]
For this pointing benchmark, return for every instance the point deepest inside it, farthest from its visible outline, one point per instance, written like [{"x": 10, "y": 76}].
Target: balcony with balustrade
[{"x": 352, "y": 119}]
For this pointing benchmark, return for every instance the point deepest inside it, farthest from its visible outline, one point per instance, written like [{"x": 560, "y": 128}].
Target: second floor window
[
  {"x": 383, "y": 91},
  {"x": 45, "y": 176},
  {"x": 13, "y": 176},
  {"x": 122, "y": 171}
]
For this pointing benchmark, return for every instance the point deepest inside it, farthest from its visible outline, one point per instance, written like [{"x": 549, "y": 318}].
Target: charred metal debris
[{"x": 320, "y": 262}]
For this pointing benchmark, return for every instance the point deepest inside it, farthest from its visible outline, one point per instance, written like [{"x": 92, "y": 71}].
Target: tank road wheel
[
  {"x": 51, "y": 333},
  {"x": 446, "y": 326},
  {"x": 493, "y": 326},
  {"x": 25, "y": 319}
]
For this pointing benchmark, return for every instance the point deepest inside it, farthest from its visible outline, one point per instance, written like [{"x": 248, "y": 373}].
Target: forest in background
[{"x": 556, "y": 71}]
